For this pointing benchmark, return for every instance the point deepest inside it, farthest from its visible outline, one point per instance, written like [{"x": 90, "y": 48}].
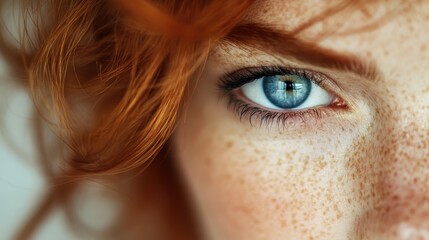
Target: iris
[{"x": 286, "y": 91}]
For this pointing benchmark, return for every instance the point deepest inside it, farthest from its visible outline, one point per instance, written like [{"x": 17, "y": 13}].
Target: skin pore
[{"x": 356, "y": 173}]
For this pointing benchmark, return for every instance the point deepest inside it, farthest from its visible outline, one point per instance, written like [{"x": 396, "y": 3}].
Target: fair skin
[{"x": 355, "y": 173}]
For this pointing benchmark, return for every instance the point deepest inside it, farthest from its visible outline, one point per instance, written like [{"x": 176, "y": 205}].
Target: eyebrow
[{"x": 286, "y": 44}]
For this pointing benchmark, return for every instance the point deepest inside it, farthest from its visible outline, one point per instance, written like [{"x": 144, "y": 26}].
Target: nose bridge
[
  {"x": 402, "y": 208},
  {"x": 401, "y": 121},
  {"x": 408, "y": 142},
  {"x": 408, "y": 136},
  {"x": 390, "y": 168}
]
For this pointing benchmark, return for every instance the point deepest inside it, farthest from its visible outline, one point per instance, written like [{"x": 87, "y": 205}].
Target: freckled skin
[{"x": 361, "y": 174}]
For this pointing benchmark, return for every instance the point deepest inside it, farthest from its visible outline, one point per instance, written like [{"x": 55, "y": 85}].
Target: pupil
[{"x": 290, "y": 86}]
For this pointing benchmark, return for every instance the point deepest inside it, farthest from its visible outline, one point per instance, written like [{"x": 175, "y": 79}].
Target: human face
[{"x": 359, "y": 170}]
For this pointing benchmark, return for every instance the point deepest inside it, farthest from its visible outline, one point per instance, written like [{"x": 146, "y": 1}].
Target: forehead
[
  {"x": 391, "y": 33},
  {"x": 318, "y": 20},
  {"x": 291, "y": 14}
]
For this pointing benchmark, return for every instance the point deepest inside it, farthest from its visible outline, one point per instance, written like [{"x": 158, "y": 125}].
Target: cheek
[{"x": 253, "y": 184}]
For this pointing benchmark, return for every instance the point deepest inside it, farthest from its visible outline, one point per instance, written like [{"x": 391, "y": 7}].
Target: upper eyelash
[{"x": 240, "y": 77}]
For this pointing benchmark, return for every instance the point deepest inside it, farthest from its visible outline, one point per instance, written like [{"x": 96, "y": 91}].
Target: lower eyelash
[{"x": 259, "y": 116}]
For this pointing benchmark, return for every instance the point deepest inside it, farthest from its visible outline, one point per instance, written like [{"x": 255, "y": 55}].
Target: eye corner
[{"x": 339, "y": 103}]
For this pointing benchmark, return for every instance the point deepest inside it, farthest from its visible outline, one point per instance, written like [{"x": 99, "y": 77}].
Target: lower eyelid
[
  {"x": 283, "y": 120},
  {"x": 238, "y": 96},
  {"x": 257, "y": 116}
]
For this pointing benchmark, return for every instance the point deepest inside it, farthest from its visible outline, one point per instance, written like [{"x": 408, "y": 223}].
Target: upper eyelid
[{"x": 229, "y": 82}]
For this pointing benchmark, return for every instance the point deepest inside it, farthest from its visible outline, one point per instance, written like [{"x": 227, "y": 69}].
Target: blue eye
[{"x": 286, "y": 91}]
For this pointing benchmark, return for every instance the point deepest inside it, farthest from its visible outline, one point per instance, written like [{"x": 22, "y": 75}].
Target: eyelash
[{"x": 231, "y": 82}]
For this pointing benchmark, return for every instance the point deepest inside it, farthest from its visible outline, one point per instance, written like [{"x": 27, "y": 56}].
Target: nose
[
  {"x": 393, "y": 178},
  {"x": 401, "y": 214}
]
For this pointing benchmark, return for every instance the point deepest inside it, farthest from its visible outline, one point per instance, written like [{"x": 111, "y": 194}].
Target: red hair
[{"x": 111, "y": 78}]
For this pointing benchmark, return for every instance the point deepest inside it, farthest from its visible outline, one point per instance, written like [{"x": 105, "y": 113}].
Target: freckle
[
  {"x": 386, "y": 53},
  {"x": 208, "y": 161},
  {"x": 227, "y": 176},
  {"x": 229, "y": 144},
  {"x": 369, "y": 54},
  {"x": 321, "y": 165},
  {"x": 241, "y": 181},
  {"x": 337, "y": 211}
]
